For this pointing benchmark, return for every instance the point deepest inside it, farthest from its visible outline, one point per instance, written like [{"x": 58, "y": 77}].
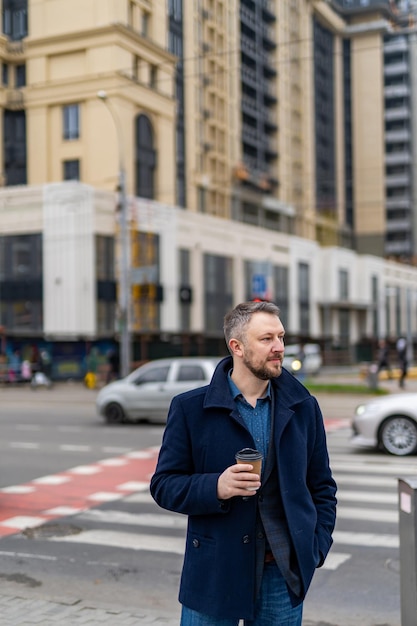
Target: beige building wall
[
  {"x": 73, "y": 53},
  {"x": 211, "y": 71},
  {"x": 368, "y": 142}
]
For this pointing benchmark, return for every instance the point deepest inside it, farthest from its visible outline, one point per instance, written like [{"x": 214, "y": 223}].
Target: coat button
[
  {"x": 260, "y": 535},
  {"x": 196, "y": 543},
  {"x": 246, "y": 539}
]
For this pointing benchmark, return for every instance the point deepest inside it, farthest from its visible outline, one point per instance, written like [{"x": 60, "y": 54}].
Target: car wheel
[
  {"x": 399, "y": 436},
  {"x": 114, "y": 413}
]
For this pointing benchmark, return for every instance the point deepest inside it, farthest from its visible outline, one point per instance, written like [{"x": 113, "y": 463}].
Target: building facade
[{"x": 265, "y": 156}]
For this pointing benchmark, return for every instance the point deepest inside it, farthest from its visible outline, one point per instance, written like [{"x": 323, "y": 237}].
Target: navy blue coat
[{"x": 203, "y": 432}]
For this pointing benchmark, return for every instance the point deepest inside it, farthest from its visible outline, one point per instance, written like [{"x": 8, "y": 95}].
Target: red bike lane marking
[
  {"x": 83, "y": 487},
  {"x": 51, "y": 497}
]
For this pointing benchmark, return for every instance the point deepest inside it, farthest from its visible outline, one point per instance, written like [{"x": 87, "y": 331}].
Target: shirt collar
[{"x": 236, "y": 391}]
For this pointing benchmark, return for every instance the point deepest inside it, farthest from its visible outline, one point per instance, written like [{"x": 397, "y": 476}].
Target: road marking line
[
  {"x": 367, "y": 496},
  {"x": 140, "y": 454},
  {"x": 153, "y": 520},
  {"x": 113, "y": 462},
  {"x": 18, "y": 489},
  {"x": 74, "y": 448},
  {"x": 24, "y": 445},
  {"x": 371, "y": 515},
  {"x": 105, "y": 496},
  {"x": 63, "y": 510},
  {"x": 23, "y": 521},
  {"x": 133, "y": 485},
  {"x": 86, "y": 470},
  {"x": 366, "y": 481},
  {"x": 334, "y": 560},
  {"x": 364, "y": 468},
  {"x": 131, "y": 541},
  {"x": 56, "y": 479},
  {"x": 369, "y": 540}
]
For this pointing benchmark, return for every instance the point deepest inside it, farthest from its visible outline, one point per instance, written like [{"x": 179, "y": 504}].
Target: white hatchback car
[
  {"x": 388, "y": 423},
  {"x": 145, "y": 395}
]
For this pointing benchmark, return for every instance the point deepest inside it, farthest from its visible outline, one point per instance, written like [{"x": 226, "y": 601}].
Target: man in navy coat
[{"x": 253, "y": 541}]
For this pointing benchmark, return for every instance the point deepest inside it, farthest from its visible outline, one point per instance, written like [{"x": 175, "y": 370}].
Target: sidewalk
[{"x": 25, "y": 610}]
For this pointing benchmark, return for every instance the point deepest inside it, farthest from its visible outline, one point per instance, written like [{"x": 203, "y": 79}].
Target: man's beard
[{"x": 262, "y": 372}]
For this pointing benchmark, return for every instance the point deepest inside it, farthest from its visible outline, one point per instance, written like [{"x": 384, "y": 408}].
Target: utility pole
[{"x": 124, "y": 297}]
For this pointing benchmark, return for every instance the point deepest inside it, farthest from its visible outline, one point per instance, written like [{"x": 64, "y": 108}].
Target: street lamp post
[{"x": 124, "y": 298}]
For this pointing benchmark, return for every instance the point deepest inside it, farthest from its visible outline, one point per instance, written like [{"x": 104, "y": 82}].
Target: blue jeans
[{"x": 273, "y": 606}]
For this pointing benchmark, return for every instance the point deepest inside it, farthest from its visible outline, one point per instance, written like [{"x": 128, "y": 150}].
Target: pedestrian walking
[
  {"x": 383, "y": 357},
  {"x": 402, "y": 360},
  {"x": 254, "y": 540}
]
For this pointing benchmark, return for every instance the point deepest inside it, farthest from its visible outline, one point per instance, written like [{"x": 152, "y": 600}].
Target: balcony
[
  {"x": 401, "y": 113},
  {"x": 398, "y": 158},
  {"x": 268, "y": 12},
  {"x": 398, "y": 202},
  {"x": 396, "y": 91},
  {"x": 15, "y": 99},
  {"x": 398, "y": 226},
  {"x": 398, "y": 180},
  {"x": 397, "y": 69},
  {"x": 397, "y": 135}
]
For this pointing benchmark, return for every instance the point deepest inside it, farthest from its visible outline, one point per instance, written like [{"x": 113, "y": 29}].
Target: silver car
[
  {"x": 147, "y": 392},
  {"x": 388, "y": 423},
  {"x": 312, "y": 358}
]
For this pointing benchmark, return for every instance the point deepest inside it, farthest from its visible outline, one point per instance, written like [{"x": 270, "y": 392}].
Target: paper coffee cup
[{"x": 249, "y": 455}]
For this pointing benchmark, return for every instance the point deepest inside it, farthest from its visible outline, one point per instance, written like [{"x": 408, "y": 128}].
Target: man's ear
[{"x": 235, "y": 347}]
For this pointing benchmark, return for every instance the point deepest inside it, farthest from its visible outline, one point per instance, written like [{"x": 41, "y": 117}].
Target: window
[
  {"x": 281, "y": 291},
  {"x": 14, "y": 132},
  {"x": 5, "y": 74},
  {"x": 154, "y": 375},
  {"x": 104, "y": 257},
  {"x": 343, "y": 285},
  {"x": 153, "y": 76},
  {"x": 375, "y": 311},
  {"x": 218, "y": 290},
  {"x": 20, "y": 257},
  {"x": 106, "y": 316},
  {"x": 190, "y": 372},
  {"x": 304, "y": 297},
  {"x": 20, "y": 80},
  {"x": 15, "y": 19},
  {"x": 145, "y": 23},
  {"x": 71, "y": 121},
  {"x": 344, "y": 328},
  {"x": 145, "y": 158},
  {"x": 185, "y": 279},
  {"x": 71, "y": 169}
]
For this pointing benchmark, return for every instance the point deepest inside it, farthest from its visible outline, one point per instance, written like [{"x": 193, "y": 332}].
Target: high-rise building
[{"x": 266, "y": 145}]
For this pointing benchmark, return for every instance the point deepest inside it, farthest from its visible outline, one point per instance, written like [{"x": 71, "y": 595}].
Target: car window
[
  {"x": 154, "y": 375},
  {"x": 191, "y": 372}
]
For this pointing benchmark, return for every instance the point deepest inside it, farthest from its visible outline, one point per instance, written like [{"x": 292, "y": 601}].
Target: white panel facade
[{"x": 69, "y": 285}]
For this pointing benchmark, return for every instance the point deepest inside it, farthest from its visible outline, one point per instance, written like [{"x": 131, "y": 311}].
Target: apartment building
[{"x": 251, "y": 134}]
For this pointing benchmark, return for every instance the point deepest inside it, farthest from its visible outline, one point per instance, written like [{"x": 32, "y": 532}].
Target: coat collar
[{"x": 288, "y": 390}]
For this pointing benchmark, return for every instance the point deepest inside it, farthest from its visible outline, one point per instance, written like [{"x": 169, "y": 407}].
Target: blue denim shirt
[{"x": 258, "y": 418}]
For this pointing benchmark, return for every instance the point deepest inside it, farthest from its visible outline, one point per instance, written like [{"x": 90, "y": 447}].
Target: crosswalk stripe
[
  {"x": 334, "y": 560},
  {"x": 368, "y": 515},
  {"x": 367, "y": 496},
  {"x": 131, "y": 541},
  {"x": 370, "y": 540},
  {"x": 366, "y": 481},
  {"x": 338, "y": 466},
  {"x": 153, "y": 520}
]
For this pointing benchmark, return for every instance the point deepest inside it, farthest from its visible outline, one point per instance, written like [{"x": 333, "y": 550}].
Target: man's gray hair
[{"x": 236, "y": 321}]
